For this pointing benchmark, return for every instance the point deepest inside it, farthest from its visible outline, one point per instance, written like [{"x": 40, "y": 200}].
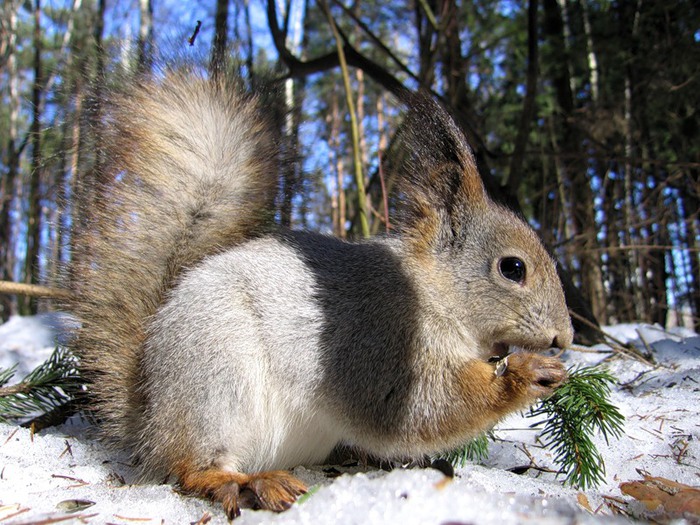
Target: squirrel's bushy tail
[{"x": 189, "y": 168}]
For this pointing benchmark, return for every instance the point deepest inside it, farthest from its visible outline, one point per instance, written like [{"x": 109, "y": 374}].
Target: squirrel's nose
[{"x": 563, "y": 340}]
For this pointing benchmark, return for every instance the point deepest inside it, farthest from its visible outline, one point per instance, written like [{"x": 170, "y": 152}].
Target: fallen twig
[
  {"x": 621, "y": 348},
  {"x": 80, "y": 482},
  {"x": 33, "y": 290},
  {"x": 14, "y": 514},
  {"x": 58, "y": 519}
]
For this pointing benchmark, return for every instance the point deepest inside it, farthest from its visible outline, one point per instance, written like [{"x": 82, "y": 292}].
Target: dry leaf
[
  {"x": 654, "y": 492},
  {"x": 74, "y": 505},
  {"x": 583, "y": 501}
]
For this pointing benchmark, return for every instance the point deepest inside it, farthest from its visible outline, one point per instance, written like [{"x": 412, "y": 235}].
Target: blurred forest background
[{"x": 583, "y": 116}]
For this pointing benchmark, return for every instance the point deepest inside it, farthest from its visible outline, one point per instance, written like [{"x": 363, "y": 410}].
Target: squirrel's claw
[{"x": 228, "y": 494}]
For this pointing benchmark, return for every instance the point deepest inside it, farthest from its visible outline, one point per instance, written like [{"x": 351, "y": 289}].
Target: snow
[
  {"x": 29, "y": 341},
  {"x": 42, "y": 476}
]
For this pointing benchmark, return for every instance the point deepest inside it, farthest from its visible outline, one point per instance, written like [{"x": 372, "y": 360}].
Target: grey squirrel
[{"x": 222, "y": 349}]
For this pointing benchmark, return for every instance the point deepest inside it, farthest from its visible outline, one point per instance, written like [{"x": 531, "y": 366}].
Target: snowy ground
[{"x": 45, "y": 477}]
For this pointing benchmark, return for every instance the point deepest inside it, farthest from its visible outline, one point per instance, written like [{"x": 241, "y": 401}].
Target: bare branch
[{"x": 33, "y": 290}]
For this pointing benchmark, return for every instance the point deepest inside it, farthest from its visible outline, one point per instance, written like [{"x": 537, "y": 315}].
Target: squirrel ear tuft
[{"x": 439, "y": 180}]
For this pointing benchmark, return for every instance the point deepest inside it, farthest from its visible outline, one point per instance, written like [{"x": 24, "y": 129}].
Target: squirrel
[{"x": 222, "y": 349}]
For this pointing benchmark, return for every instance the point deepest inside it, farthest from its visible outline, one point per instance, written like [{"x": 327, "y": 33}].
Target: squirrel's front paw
[{"x": 534, "y": 375}]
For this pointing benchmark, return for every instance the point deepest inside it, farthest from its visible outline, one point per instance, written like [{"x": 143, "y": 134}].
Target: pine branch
[
  {"x": 50, "y": 387},
  {"x": 576, "y": 410}
]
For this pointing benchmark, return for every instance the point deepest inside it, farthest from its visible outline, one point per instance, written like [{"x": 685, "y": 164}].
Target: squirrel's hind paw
[{"x": 274, "y": 490}]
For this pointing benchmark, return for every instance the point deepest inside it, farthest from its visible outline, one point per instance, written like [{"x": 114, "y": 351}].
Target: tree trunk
[
  {"x": 426, "y": 50},
  {"x": 383, "y": 183},
  {"x": 32, "y": 266},
  {"x": 336, "y": 160},
  {"x": 691, "y": 207},
  {"x": 145, "y": 43},
  {"x": 249, "y": 42},
  {"x": 576, "y": 179},
  {"x": 592, "y": 59},
  {"x": 528, "y": 113},
  {"x": 87, "y": 140},
  {"x": 8, "y": 305},
  {"x": 217, "y": 63}
]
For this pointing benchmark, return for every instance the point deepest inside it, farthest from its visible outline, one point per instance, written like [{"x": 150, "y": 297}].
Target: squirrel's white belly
[{"x": 281, "y": 436}]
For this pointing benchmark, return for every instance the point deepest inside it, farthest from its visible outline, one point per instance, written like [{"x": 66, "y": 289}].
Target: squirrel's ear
[{"x": 439, "y": 181}]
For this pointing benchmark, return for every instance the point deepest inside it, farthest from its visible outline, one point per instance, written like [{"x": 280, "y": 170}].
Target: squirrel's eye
[{"x": 512, "y": 269}]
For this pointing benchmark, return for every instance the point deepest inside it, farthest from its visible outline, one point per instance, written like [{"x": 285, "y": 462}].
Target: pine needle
[{"x": 52, "y": 385}]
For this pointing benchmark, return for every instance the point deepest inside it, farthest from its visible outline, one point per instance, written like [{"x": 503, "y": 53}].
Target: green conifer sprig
[
  {"x": 50, "y": 386},
  {"x": 574, "y": 413}
]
